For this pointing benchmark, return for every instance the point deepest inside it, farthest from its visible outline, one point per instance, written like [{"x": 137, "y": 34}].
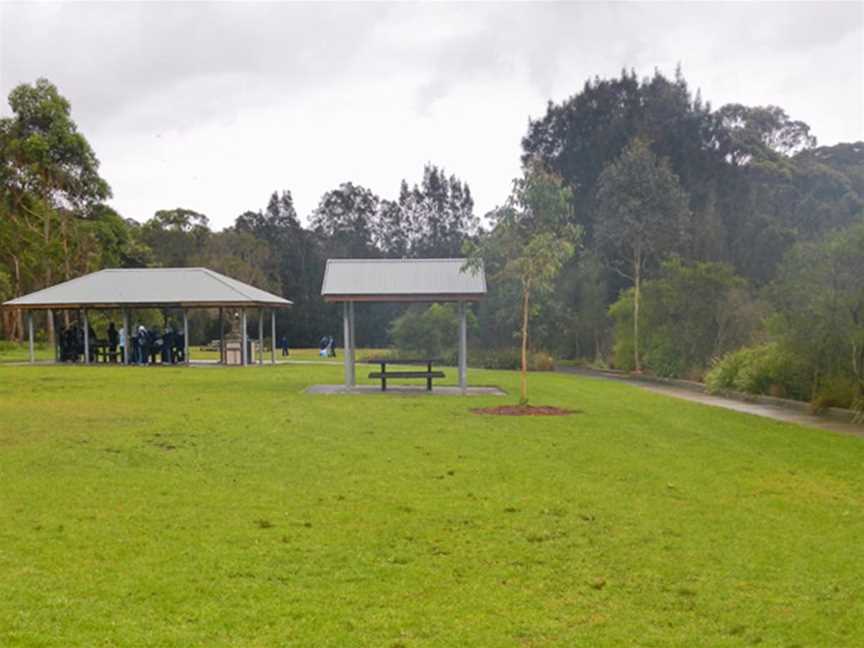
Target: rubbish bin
[{"x": 233, "y": 353}]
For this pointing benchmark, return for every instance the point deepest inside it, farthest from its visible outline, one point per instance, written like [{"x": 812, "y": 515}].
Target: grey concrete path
[{"x": 757, "y": 409}]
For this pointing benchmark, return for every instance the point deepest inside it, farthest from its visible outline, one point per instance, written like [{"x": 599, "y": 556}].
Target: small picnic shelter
[
  {"x": 401, "y": 280},
  {"x": 127, "y": 289}
]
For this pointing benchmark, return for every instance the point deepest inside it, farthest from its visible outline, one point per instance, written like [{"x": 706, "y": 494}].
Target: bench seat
[
  {"x": 407, "y": 374},
  {"x": 383, "y": 376}
]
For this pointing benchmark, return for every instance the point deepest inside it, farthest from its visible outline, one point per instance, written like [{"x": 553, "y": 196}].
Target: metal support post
[
  {"x": 86, "y": 337},
  {"x": 221, "y": 337},
  {"x": 273, "y": 336},
  {"x": 463, "y": 348},
  {"x": 30, "y": 336},
  {"x": 260, "y": 336},
  {"x": 346, "y": 351},
  {"x": 244, "y": 352},
  {"x": 127, "y": 336},
  {"x": 185, "y": 337}
]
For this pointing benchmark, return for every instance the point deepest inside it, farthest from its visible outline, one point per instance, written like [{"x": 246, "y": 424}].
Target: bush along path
[{"x": 778, "y": 409}]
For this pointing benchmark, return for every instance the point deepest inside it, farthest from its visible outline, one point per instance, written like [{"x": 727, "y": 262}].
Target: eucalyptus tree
[
  {"x": 531, "y": 240},
  {"x": 642, "y": 215},
  {"x": 49, "y": 176}
]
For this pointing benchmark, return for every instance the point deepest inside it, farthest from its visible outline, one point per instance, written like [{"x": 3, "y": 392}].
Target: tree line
[{"x": 689, "y": 218}]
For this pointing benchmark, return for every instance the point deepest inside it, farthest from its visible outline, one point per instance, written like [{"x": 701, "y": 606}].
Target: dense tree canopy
[{"x": 743, "y": 230}]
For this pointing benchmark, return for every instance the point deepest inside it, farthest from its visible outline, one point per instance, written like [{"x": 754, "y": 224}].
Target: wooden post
[
  {"x": 185, "y": 337},
  {"x": 244, "y": 352},
  {"x": 222, "y": 357},
  {"x": 30, "y": 336},
  {"x": 86, "y": 338},
  {"x": 463, "y": 348},
  {"x": 273, "y": 336},
  {"x": 127, "y": 336}
]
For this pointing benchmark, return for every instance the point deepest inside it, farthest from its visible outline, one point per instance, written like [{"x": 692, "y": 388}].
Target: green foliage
[
  {"x": 691, "y": 314},
  {"x": 510, "y": 358},
  {"x": 764, "y": 369},
  {"x": 819, "y": 302},
  {"x": 428, "y": 331},
  {"x": 530, "y": 242},
  {"x": 836, "y": 391}
]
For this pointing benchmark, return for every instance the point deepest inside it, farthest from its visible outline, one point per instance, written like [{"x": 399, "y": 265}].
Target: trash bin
[{"x": 233, "y": 353}]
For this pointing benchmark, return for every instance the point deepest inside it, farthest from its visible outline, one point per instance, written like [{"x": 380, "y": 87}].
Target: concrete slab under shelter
[{"x": 402, "y": 390}]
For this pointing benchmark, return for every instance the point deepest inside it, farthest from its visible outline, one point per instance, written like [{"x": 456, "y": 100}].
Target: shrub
[
  {"x": 511, "y": 359},
  {"x": 431, "y": 332},
  {"x": 836, "y": 391},
  {"x": 764, "y": 369}
]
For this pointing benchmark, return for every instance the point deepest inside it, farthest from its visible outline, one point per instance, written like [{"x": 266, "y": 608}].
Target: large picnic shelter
[
  {"x": 166, "y": 288},
  {"x": 348, "y": 281}
]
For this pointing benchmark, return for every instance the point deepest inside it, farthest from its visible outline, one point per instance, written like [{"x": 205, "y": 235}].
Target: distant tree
[
  {"x": 240, "y": 255},
  {"x": 175, "y": 236},
  {"x": 758, "y": 133},
  {"x": 49, "y": 176},
  {"x": 392, "y": 233},
  {"x": 436, "y": 216},
  {"x": 642, "y": 215},
  {"x": 819, "y": 299},
  {"x": 430, "y": 331},
  {"x": 531, "y": 240},
  {"x": 345, "y": 218},
  {"x": 691, "y": 314},
  {"x": 581, "y": 136}
]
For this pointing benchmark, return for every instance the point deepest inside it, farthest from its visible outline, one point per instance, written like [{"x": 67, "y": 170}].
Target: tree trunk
[
  {"x": 18, "y": 320},
  {"x": 637, "y": 276},
  {"x": 48, "y": 277},
  {"x": 523, "y": 377}
]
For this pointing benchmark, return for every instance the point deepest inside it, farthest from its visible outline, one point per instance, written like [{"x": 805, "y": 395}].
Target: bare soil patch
[{"x": 524, "y": 410}]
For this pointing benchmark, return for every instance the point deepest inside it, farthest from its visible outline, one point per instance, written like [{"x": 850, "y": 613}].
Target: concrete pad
[{"x": 403, "y": 390}]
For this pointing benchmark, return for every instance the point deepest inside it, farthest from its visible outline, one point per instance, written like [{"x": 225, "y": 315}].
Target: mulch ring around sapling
[{"x": 524, "y": 410}]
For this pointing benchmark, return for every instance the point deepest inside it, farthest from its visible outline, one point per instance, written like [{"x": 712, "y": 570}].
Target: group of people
[
  {"x": 71, "y": 341},
  {"x": 146, "y": 346},
  {"x": 327, "y": 347}
]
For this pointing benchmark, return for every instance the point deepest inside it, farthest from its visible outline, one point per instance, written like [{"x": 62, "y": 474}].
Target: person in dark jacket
[
  {"x": 283, "y": 343},
  {"x": 113, "y": 338},
  {"x": 168, "y": 345},
  {"x": 142, "y": 343}
]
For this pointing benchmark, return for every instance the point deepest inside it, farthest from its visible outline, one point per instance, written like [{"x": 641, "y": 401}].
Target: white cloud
[{"x": 213, "y": 107}]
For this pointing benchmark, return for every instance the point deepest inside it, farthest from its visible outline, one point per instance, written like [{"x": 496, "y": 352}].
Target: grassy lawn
[{"x": 224, "y": 507}]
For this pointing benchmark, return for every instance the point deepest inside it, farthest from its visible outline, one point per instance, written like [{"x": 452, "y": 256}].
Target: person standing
[
  {"x": 284, "y": 344},
  {"x": 121, "y": 335},
  {"x": 168, "y": 345},
  {"x": 113, "y": 338},
  {"x": 143, "y": 338}
]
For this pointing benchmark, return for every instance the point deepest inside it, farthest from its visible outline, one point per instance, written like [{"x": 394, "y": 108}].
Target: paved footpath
[{"x": 758, "y": 409}]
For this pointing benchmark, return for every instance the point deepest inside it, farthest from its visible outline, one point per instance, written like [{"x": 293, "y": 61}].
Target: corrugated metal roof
[
  {"x": 404, "y": 278},
  {"x": 141, "y": 286}
]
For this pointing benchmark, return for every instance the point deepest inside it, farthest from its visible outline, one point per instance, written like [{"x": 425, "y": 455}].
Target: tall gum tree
[
  {"x": 642, "y": 215},
  {"x": 48, "y": 171}
]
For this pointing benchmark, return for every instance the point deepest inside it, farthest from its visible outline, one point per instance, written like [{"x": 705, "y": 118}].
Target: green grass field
[{"x": 225, "y": 507}]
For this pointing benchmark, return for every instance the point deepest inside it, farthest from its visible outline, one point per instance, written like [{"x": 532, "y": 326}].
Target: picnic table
[
  {"x": 102, "y": 351},
  {"x": 383, "y": 375}
]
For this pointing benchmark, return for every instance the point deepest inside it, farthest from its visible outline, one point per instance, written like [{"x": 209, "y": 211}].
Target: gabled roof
[
  {"x": 402, "y": 280},
  {"x": 111, "y": 288}
]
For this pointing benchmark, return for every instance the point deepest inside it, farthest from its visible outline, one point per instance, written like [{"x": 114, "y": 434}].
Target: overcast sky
[{"x": 213, "y": 106}]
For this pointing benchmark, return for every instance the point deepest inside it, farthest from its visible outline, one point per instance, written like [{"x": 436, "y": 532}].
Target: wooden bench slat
[{"x": 407, "y": 374}]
